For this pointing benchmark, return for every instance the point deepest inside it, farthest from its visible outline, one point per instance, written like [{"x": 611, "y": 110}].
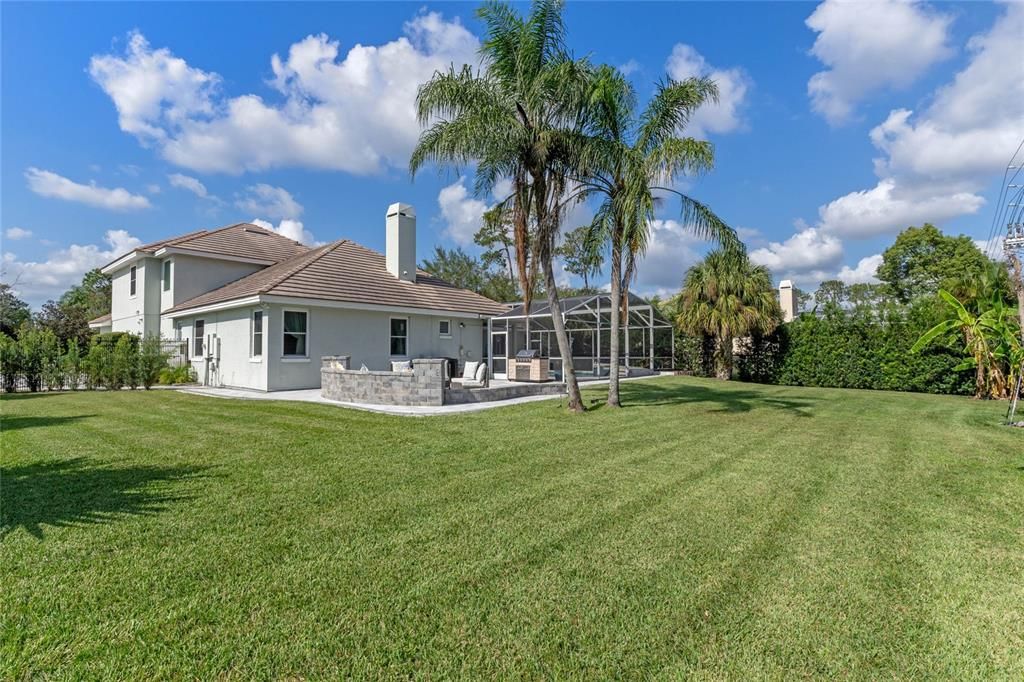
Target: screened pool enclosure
[{"x": 646, "y": 343}]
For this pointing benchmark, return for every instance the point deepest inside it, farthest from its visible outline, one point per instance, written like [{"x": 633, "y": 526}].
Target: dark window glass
[
  {"x": 198, "y": 332},
  {"x": 399, "y": 336},
  {"x": 294, "y": 333},
  {"x": 131, "y": 281},
  {"x": 167, "y": 275}
]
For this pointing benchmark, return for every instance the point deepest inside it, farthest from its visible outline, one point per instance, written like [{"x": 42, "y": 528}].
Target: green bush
[
  {"x": 96, "y": 366},
  {"x": 177, "y": 375},
  {"x": 152, "y": 361},
  {"x": 863, "y": 347},
  {"x": 10, "y": 362},
  {"x": 72, "y": 364}
]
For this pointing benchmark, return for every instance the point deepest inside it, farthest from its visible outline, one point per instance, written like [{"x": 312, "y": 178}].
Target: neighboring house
[
  {"x": 257, "y": 310},
  {"x": 101, "y": 324}
]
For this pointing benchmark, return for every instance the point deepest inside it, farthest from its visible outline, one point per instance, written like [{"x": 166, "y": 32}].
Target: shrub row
[
  {"x": 36, "y": 360},
  {"x": 863, "y": 347}
]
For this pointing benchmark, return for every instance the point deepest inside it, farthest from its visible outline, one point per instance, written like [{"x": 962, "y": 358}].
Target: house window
[
  {"x": 295, "y": 333},
  {"x": 257, "y": 334},
  {"x": 400, "y": 336},
  {"x": 131, "y": 281},
  {"x": 167, "y": 275},
  {"x": 445, "y": 328},
  {"x": 198, "y": 334}
]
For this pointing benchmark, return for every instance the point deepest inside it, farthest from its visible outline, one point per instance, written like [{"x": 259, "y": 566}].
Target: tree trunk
[
  {"x": 613, "y": 345},
  {"x": 723, "y": 363},
  {"x": 568, "y": 371}
]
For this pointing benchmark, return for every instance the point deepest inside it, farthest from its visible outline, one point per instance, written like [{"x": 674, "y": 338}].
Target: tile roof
[
  {"x": 102, "y": 319},
  {"x": 344, "y": 271},
  {"x": 241, "y": 240}
]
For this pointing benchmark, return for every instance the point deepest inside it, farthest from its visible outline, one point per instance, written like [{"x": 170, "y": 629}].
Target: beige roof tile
[{"x": 344, "y": 271}]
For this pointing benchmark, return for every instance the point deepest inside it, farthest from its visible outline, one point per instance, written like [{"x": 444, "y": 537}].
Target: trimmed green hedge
[{"x": 859, "y": 348}]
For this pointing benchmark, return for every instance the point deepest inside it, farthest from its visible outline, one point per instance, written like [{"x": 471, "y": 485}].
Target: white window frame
[
  {"x": 133, "y": 281},
  {"x": 253, "y": 355},
  {"x": 441, "y": 333},
  {"x": 392, "y": 336},
  {"x": 201, "y": 337},
  {"x": 165, "y": 275},
  {"x": 295, "y": 358}
]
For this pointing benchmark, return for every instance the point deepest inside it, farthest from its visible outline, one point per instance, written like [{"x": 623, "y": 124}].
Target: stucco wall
[
  {"x": 365, "y": 336},
  {"x": 139, "y": 314},
  {"x": 235, "y": 368},
  {"x": 192, "y": 276}
]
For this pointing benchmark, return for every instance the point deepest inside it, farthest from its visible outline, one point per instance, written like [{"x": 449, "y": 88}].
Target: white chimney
[
  {"x": 401, "y": 241},
  {"x": 787, "y": 300}
]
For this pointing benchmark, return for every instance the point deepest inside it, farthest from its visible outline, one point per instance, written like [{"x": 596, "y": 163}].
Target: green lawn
[{"x": 707, "y": 530}]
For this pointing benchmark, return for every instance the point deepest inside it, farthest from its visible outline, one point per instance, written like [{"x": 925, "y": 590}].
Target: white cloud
[
  {"x": 153, "y": 188},
  {"x": 37, "y": 282},
  {"x": 937, "y": 161},
  {"x": 882, "y": 209},
  {"x": 354, "y": 113},
  {"x": 189, "y": 183},
  {"x": 292, "y": 229},
  {"x": 49, "y": 184},
  {"x": 463, "y": 214},
  {"x": 808, "y": 250},
  {"x": 868, "y": 46},
  {"x": 630, "y": 67},
  {"x": 275, "y": 202},
  {"x": 13, "y": 233},
  {"x": 863, "y": 272},
  {"x": 671, "y": 250},
  {"x": 733, "y": 84}
]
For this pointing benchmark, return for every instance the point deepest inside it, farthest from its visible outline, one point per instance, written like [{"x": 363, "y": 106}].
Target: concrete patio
[{"x": 312, "y": 395}]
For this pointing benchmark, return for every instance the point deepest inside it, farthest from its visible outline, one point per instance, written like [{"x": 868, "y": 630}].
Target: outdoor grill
[{"x": 530, "y": 365}]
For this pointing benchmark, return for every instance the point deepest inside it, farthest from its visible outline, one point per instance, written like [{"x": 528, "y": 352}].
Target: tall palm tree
[
  {"x": 516, "y": 118},
  {"x": 629, "y": 159},
  {"x": 728, "y": 297}
]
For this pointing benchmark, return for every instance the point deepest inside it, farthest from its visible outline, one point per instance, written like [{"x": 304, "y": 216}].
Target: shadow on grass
[
  {"x": 75, "y": 492},
  {"x": 16, "y": 423},
  {"x": 729, "y": 398}
]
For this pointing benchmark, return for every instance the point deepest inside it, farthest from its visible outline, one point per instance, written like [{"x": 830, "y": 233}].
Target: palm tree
[
  {"x": 728, "y": 297},
  {"x": 629, "y": 159},
  {"x": 516, "y": 119}
]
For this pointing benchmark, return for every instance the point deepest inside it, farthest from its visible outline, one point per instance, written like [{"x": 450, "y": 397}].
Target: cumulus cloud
[
  {"x": 275, "y": 202},
  {"x": 733, "y": 85},
  {"x": 38, "y": 281},
  {"x": 863, "y": 272},
  {"x": 463, "y": 214},
  {"x": 809, "y": 250},
  {"x": 14, "y": 233},
  {"x": 49, "y": 184},
  {"x": 868, "y": 46},
  {"x": 935, "y": 162},
  {"x": 292, "y": 229},
  {"x": 671, "y": 250},
  {"x": 353, "y": 113}
]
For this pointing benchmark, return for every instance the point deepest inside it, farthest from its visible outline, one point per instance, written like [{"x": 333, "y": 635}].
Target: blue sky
[{"x": 838, "y": 124}]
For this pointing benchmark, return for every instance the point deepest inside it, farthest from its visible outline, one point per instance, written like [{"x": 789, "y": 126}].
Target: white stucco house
[{"x": 258, "y": 310}]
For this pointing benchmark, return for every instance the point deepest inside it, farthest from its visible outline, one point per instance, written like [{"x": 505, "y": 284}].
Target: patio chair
[{"x": 479, "y": 378}]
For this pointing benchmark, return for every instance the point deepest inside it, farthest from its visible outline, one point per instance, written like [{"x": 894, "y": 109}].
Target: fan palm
[
  {"x": 630, "y": 158},
  {"x": 728, "y": 297},
  {"x": 515, "y": 119}
]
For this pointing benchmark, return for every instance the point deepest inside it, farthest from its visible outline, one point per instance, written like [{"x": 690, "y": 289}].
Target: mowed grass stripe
[{"x": 708, "y": 530}]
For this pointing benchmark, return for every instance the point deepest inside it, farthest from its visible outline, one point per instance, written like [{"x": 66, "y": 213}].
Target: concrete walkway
[{"x": 312, "y": 395}]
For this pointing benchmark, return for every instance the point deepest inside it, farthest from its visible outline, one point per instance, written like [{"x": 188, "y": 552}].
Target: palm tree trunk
[
  {"x": 568, "y": 371},
  {"x": 723, "y": 364},
  {"x": 613, "y": 345}
]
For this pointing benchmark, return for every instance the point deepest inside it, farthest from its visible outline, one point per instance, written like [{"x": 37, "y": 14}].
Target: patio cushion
[
  {"x": 401, "y": 366},
  {"x": 469, "y": 371},
  {"x": 481, "y": 373}
]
